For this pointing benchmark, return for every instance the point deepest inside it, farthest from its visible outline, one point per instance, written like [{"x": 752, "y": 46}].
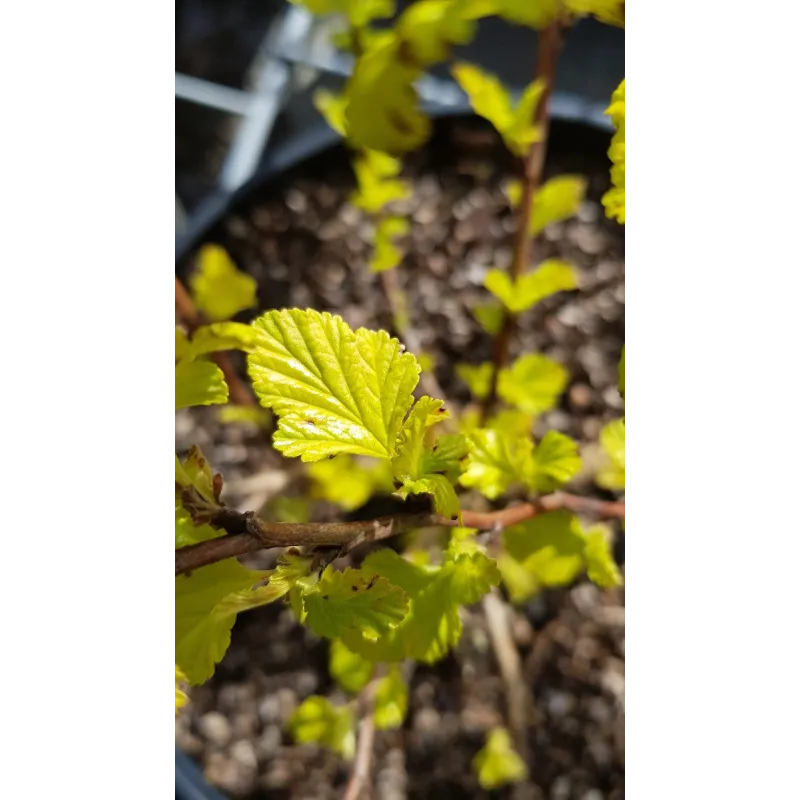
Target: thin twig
[
  {"x": 247, "y": 533},
  {"x": 517, "y": 693},
  {"x": 191, "y": 318},
  {"x": 533, "y": 167},
  {"x": 362, "y": 766}
]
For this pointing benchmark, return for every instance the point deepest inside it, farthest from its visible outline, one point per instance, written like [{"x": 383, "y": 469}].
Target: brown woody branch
[
  {"x": 247, "y": 533},
  {"x": 191, "y": 318},
  {"x": 533, "y": 167}
]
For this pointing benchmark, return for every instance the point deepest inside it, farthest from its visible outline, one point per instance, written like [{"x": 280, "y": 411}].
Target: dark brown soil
[{"x": 308, "y": 247}]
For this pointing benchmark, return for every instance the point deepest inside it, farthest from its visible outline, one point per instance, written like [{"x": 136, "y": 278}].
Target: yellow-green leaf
[
  {"x": 496, "y": 462},
  {"x": 445, "y": 499},
  {"x": 490, "y": 317},
  {"x": 335, "y": 390},
  {"x": 558, "y": 199},
  {"x": 245, "y": 415},
  {"x": 347, "y": 483},
  {"x": 556, "y": 461},
  {"x": 199, "y": 383},
  {"x": 220, "y": 290},
  {"x": 488, "y": 97},
  {"x": 611, "y": 475},
  {"x": 180, "y": 695},
  {"x": 391, "y": 701},
  {"x": 478, "y": 378},
  {"x": 345, "y": 601},
  {"x": 446, "y": 455},
  {"x": 614, "y": 199},
  {"x": 220, "y": 336},
  {"x": 350, "y": 670},
  {"x": 387, "y": 255},
  {"x": 383, "y": 111},
  {"x": 533, "y": 384},
  {"x": 600, "y": 565},
  {"x": 317, "y": 720},
  {"x": 425, "y": 413},
  {"x": 498, "y": 763},
  {"x": 378, "y": 185},
  {"x": 332, "y": 107},
  {"x": 181, "y": 344},
  {"x": 523, "y": 131},
  {"x": 202, "y": 632},
  {"x": 429, "y": 30},
  {"x": 547, "y": 279}
]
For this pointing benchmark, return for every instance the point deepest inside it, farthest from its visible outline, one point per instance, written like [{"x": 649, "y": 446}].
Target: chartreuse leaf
[
  {"x": 611, "y": 474},
  {"x": 378, "y": 185},
  {"x": 612, "y": 12},
  {"x": 180, "y": 696},
  {"x": 246, "y": 415},
  {"x": 350, "y": 670},
  {"x": 497, "y": 763},
  {"x": 199, "y": 383},
  {"x": 614, "y": 199},
  {"x": 344, "y": 601},
  {"x": 358, "y": 12},
  {"x": 478, "y": 378},
  {"x": 220, "y": 336},
  {"x": 387, "y": 255},
  {"x": 382, "y": 111},
  {"x": 347, "y": 483},
  {"x": 524, "y": 12},
  {"x": 432, "y": 625},
  {"x": 316, "y": 720},
  {"x": 220, "y": 290},
  {"x": 446, "y": 455},
  {"x": 202, "y": 631},
  {"x": 492, "y": 101},
  {"x": 552, "y": 549},
  {"x": 558, "y": 199},
  {"x": 196, "y": 471},
  {"x": 547, "y": 279},
  {"x": 391, "y": 700},
  {"x": 423, "y": 470},
  {"x": 497, "y": 461},
  {"x": 187, "y": 532},
  {"x": 332, "y": 107},
  {"x": 429, "y": 30},
  {"x": 600, "y": 565},
  {"x": 533, "y": 384},
  {"x": 334, "y": 390},
  {"x": 489, "y": 316},
  {"x": 556, "y": 461},
  {"x": 181, "y": 343},
  {"x": 291, "y": 568}
]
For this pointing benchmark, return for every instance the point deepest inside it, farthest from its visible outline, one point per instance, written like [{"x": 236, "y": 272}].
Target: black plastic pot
[{"x": 591, "y": 66}]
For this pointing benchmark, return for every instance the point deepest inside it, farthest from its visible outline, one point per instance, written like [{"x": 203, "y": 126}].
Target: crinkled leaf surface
[
  {"x": 335, "y": 390},
  {"x": 345, "y": 601}
]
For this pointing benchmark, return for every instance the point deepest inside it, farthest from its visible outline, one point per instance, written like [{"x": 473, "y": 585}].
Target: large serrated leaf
[
  {"x": 334, "y": 390},
  {"x": 556, "y": 461},
  {"x": 611, "y": 474}
]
